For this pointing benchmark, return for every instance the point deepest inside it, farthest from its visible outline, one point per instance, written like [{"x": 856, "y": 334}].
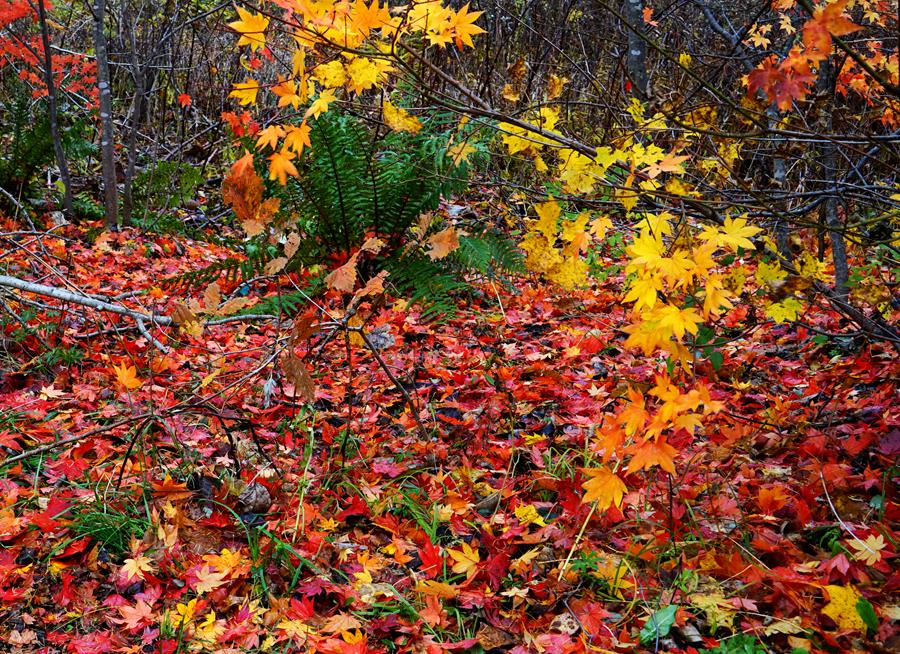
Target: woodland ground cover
[
  {"x": 349, "y": 327},
  {"x": 176, "y": 526}
]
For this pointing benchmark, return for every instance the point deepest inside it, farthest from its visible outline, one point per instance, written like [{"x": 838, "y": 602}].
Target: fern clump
[
  {"x": 354, "y": 183},
  {"x": 26, "y": 143},
  {"x": 26, "y": 146}
]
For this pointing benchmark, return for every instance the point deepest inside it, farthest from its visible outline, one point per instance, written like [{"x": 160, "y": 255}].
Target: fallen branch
[
  {"x": 82, "y": 299},
  {"x": 71, "y": 439},
  {"x": 140, "y": 319}
]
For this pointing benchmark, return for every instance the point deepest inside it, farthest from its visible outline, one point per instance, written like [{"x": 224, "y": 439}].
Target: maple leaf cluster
[
  {"x": 22, "y": 53},
  {"x": 353, "y": 46}
]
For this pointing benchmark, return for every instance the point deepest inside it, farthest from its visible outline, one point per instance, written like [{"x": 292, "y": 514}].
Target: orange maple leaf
[
  {"x": 464, "y": 27},
  {"x": 135, "y": 617},
  {"x": 649, "y": 454},
  {"x": 828, "y": 21},
  {"x": 280, "y": 166},
  {"x": 603, "y": 487},
  {"x": 370, "y": 17},
  {"x": 127, "y": 376}
]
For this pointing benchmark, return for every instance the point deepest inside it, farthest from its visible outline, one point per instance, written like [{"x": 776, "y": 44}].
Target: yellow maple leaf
[
  {"x": 643, "y": 291},
  {"x": 280, "y": 166},
  {"x": 186, "y": 611},
  {"x": 548, "y": 216},
  {"x": 786, "y": 310},
  {"x": 136, "y": 567},
  {"x": 463, "y": 27},
  {"x": 251, "y": 27},
  {"x": 459, "y": 153},
  {"x": 331, "y": 74},
  {"x": 770, "y": 273},
  {"x": 603, "y": 487},
  {"x": 466, "y": 560},
  {"x": 678, "y": 320},
  {"x": 320, "y": 104},
  {"x": 736, "y": 233},
  {"x": 400, "y": 120},
  {"x": 841, "y": 607},
  {"x": 528, "y": 515},
  {"x": 716, "y": 297},
  {"x": 127, "y": 376},
  {"x": 362, "y": 73},
  {"x": 647, "y": 250},
  {"x": 868, "y": 550},
  {"x": 719, "y": 612},
  {"x": 245, "y": 92}
]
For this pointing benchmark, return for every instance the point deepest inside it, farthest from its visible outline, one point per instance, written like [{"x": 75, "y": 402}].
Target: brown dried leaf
[
  {"x": 291, "y": 244},
  {"x": 490, "y": 637},
  {"x": 373, "y": 244},
  {"x": 255, "y": 498},
  {"x": 304, "y": 327},
  {"x": 212, "y": 296},
  {"x": 296, "y": 373},
  {"x": 276, "y": 265},
  {"x": 181, "y": 315},
  {"x": 340, "y": 622},
  {"x": 343, "y": 279},
  {"x": 374, "y": 286},
  {"x": 252, "y": 227},
  {"x": 443, "y": 243},
  {"x": 236, "y": 304}
]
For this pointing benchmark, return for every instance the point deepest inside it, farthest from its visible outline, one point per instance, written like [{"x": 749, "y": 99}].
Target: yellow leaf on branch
[{"x": 252, "y": 28}]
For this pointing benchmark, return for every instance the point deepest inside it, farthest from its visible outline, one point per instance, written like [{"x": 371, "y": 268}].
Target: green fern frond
[{"x": 232, "y": 269}]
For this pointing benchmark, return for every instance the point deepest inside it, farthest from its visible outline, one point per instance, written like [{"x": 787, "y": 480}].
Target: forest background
[{"x": 502, "y": 326}]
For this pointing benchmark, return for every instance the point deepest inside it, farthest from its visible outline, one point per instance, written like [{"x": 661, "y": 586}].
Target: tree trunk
[
  {"x": 830, "y": 217},
  {"x": 137, "y": 109},
  {"x": 53, "y": 112},
  {"x": 636, "y": 59},
  {"x": 107, "y": 142}
]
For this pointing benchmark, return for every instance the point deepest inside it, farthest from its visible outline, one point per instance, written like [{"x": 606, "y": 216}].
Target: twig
[
  {"x": 142, "y": 328},
  {"x": 140, "y": 319},
  {"x": 412, "y": 407},
  {"x": 840, "y": 520},
  {"x": 71, "y": 439},
  {"x": 18, "y": 205}
]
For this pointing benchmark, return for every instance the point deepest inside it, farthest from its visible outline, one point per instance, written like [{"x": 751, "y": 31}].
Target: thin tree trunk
[
  {"x": 830, "y": 217},
  {"x": 136, "y": 112},
  {"x": 107, "y": 142},
  {"x": 53, "y": 110},
  {"x": 636, "y": 60},
  {"x": 779, "y": 177}
]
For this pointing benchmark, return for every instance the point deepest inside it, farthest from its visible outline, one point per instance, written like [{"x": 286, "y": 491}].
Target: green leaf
[
  {"x": 716, "y": 358},
  {"x": 867, "y": 613},
  {"x": 659, "y": 624}
]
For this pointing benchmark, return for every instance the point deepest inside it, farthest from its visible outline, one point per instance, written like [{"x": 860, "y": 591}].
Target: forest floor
[{"x": 200, "y": 504}]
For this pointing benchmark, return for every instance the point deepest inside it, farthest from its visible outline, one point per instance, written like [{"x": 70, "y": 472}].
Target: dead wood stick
[{"x": 71, "y": 439}]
